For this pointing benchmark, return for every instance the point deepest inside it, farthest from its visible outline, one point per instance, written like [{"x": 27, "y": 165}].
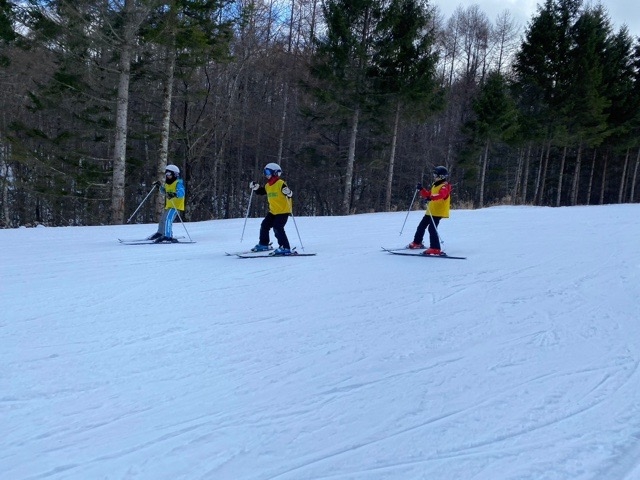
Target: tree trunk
[
  {"x": 525, "y": 180},
  {"x": 483, "y": 173},
  {"x": 454, "y": 51},
  {"x": 634, "y": 179},
  {"x": 543, "y": 173},
  {"x": 576, "y": 177},
  {"x": 624, "y": 176},
  {"x": 561, "y": 176},
  {"x": 285, "y": 87},
  {"x": 163, "y": 152},
  {"x": 348, "y": 177},
  {"x": 313, "y": 25},
  {"x": 392, "y": 159},
  {"x": 604, "y": 179},
  {"x": 518, "y": 180},
  {"x": 536, "y": 190},
  {"x": 593, "y": 169},
  {"x": 4, "y": 178},
  {"x": 122, "y": 106},
  {"x": 283, "y": 123}
]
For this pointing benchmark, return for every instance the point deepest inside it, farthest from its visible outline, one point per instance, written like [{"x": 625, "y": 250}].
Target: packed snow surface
[{"x": 179, "y": 362}]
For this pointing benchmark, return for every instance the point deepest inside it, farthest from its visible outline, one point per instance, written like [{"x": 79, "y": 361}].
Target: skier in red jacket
[{"x": 439, "y": 203}]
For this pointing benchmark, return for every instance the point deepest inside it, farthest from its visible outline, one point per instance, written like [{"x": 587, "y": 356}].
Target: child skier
[
  {"x": 174, "y": 190},
  {"x": 439, "y": 201},
  {"x": 279, "y": 198}
]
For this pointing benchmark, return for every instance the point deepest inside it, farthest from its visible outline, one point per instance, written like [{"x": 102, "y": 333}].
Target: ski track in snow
[{"x": 519, "y": 363}]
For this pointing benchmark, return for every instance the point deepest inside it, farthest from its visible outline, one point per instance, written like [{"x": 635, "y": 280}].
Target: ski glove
[
  {"x": 419, "y": 186},
  {"x": 286, "y": 191},
  {"x": 156, "y": 183},
  {"x": 254, "y": 186},
  {"x": 171, "y": 195}
]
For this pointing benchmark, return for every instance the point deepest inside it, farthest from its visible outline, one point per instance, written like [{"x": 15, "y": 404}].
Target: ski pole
[
  {"x": 246, "y": 216},
  {"x": 434, "y": 226},
  {"x": 295, "y": 224},
  {"x": 297, "y": 231},
  {"x": 409, "y": 211},
  {"x": 178, "y": 212},
  {"x": 142, "y": 202}
]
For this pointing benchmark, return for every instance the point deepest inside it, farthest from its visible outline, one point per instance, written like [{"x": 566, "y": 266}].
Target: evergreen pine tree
[
  {"x": 342, "y": 63},
  {"x": 495, "y": 121},
  {"x": 403, "y": 67}
]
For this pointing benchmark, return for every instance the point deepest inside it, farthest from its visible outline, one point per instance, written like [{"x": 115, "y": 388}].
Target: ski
[
  {"x": 249, "y": 252},
  {"x": 272, "y": 255},
  {"x": 151, "y": 242},
  {"x": 399, "y": 251},
  {"x": 129, "y": 240}
]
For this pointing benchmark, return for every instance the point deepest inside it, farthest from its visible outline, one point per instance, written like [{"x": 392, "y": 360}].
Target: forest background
[{"x": 357, "y": 100}]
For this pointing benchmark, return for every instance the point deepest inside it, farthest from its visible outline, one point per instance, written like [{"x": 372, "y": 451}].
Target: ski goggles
[{"x": 268, "y": 171}]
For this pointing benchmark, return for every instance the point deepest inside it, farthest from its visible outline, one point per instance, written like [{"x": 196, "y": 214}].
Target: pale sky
[{"x": 620, "y": 11}]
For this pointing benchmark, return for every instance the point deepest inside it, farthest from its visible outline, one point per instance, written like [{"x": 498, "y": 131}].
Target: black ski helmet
[{"x": 440, "y": 172}]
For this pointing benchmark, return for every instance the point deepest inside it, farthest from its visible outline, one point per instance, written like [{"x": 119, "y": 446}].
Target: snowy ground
[{"x": 178, "y": 362}]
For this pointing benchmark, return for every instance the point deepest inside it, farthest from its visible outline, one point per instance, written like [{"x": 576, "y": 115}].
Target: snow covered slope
[{"x": 178, "y": 362}]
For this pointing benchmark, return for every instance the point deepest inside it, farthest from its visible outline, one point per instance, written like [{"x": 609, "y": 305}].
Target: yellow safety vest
[
  {"x": 439, "y": 208},
  {"x": 278, "y": 202},
  {"x": 174, "y": 202}
]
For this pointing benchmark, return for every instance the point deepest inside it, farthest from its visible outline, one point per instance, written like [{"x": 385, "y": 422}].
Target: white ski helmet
[
  {"x": 172, "y": 168},
  {"x": 274, "y": 168}
]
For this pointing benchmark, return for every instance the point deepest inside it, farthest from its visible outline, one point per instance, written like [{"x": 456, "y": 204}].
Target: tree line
[{"x": 357, "y": 100}]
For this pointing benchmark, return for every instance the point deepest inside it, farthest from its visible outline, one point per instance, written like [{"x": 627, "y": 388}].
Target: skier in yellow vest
[
  {"x": 279, "y": 198},
  {"x": 174, "y": 191},
  {"x": 439, "y": 198}
]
